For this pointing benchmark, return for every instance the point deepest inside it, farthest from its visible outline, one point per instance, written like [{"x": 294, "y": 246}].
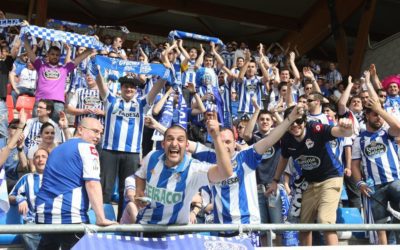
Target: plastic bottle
[{"x": 371, "y": 184}]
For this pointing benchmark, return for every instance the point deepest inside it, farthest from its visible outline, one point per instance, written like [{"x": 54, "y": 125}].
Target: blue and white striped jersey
[
  {"x": 25, "y": 190},
  {"x": 170, "y": 189},
  {"x": 85, "y": 98},
  {"x": 124, "y": 123},
  {"x": 247, "y": 89},
  {"x": 377, "y": 151},
  {"x": 63, "y": 198},
  {"x": 32, "y": 132},
  {"x": 235, "y": 199},
  {"x": 189, "y": 75}
]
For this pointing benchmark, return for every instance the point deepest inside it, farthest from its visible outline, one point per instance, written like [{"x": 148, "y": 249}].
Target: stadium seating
[
  {"x": 9, "y": 89},
  {"x": 108, "y": 211},
  {"x": 10, "y": 108},
  {"x": 11, "y": 217},
  {"x": 27, "y": 103}
]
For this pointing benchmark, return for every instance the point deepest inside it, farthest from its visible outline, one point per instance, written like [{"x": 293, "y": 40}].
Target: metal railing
[{"x": 79, "y": 228}]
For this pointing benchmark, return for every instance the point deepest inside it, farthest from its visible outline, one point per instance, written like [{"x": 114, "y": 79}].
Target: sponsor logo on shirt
[
  {"x": 230, "y": 181},
  {"x": 128, "y": 114},
  {"x": 91, "y": 101},
  {"x": 163, "y": 195},
  {"x": 52, "y": 74},
  {"x": 375, "y": 149},
  {"x": 308, "y": 162},
  {"x": 93, "y": 151},
  {"x": 333, "y": 143}
]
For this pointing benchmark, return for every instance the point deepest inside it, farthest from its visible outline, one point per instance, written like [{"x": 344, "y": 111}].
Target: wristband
[
  {"x": 276, "y": 180},
  {"x": 359, "y": 183},
  {"x": 20, "y": 149}
]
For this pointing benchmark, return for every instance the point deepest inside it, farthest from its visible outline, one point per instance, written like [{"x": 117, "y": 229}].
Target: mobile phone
[{"x": 144, "y": 199}]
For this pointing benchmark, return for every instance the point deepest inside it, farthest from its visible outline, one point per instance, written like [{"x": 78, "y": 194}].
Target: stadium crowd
[{"x": 233, "y": 136}]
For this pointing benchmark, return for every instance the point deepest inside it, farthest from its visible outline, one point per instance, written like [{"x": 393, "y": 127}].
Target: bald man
[{"x": 70, "y": 181}]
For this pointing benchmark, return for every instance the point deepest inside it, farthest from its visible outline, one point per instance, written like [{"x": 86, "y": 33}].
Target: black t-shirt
[
  {"x": 313, "y": 155},
  {"x": 269, "y": 161},
  {"x": 5, "y": 68}
]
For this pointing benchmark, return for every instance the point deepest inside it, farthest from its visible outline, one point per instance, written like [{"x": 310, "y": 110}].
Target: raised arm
[
  {"x": 371, "y": 91},
  {"x": 160, "y": 104},
  {"x": 82, "y": 56},
  {"x": 275, "y": 135},
  {"x": 344, "y": 128},
  {"x": 223, "y": 169},
  {"x": 28, "y": 49},
  {"x": 184, "y": 52},
  {"x": 103, "y": 89},
  {"x": 13, "y": 140},
  {"x": 293, "y": 66},
  {"x": 155, "y": 90},
  {"x": 243, "y": 70},
  {"x": 68, "y": 55},
  {"x": 197, "y": 106},
  {"x": 344, "y": 97},
  {"x": 394, "y": 124},
  {"x": 308, "y": 74},
  {"x": 217, "y": 56},
  {"x": 374, "y": 77},
  {"x": 248, "y": 130},
  {"x": 200, "y": 58}
]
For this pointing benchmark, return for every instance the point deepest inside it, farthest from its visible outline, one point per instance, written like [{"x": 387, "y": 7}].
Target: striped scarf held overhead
[
  {"x": 4, "y": 23},
  {"x": 62, "y": 36}
]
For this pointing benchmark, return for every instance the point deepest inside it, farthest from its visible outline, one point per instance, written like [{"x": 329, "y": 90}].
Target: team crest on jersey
[
  {"x": 375, "y": 149},
  {"x": 318, "y": 128},
  {"x": 333, "y": 143},
  {"x": 269, "y": 153},
  {"x": 251, "y": 88},
  {"x": 309, "y": 143},
  {"x": 308, "y": 162},
  {"x": 234, "y": 164},
  {"x": 177, "y": 177},
  {"x": 52, "y": 74}
]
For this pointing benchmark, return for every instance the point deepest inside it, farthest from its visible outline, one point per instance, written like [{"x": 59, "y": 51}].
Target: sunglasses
[
  {"x": 240, "y": 127},
  {"x": 299, "y": 121},
  {"x": 310, "y": 100}
]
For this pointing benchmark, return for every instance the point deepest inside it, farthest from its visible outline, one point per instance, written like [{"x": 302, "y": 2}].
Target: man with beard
[
  {"x": 307, "y": 143},
  {"x": 376, "y": 149},
  {"x": 170, "y": 177}
]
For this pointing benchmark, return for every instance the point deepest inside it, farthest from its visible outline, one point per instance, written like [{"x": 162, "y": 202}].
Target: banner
[
  {"x": 189, "y": 241},
  {"x": 62, "y": 36},
  {"x": 133, "y": 67},
  {"x": 176, "y": 34}
]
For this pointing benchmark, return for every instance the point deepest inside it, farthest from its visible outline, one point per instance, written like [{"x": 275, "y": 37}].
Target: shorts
[
  {"x": 385, "y": 193},
  {"x": 320, "y": 201}
]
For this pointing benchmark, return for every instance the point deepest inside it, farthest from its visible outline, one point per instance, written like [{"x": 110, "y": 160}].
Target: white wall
[{"x": 385, "y": 55}]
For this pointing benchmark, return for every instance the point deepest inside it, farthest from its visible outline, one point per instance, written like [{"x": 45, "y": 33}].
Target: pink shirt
[{"x": 51, "y": 80}]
